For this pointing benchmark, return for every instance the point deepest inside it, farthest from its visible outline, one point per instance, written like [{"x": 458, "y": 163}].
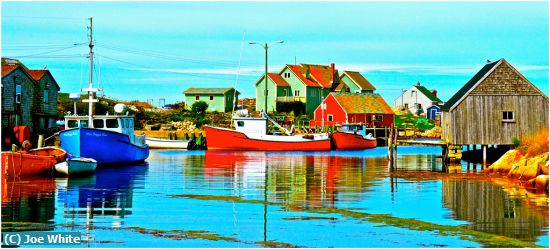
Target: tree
[{"x": 198, "y": 110}]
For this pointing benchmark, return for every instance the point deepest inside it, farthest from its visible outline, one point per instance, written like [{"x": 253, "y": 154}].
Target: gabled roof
[
  {"x": 300, "y": 72},
  {"x": 279, "y": 81},
  {"x": 340, "y": 87},
  {"x": 37, "y": 74},
  {"x": 276, "y": 78},
  {"x": 469, "y": 85},
  {"x": 6, "y": 69},
  {"x": 359, "y": 80},
  {"x": 322, "y": 74},
  {"x": 197, "y": 90},
  {"x": 428, "y": 93},
  {"x": 354, "y": 103}
]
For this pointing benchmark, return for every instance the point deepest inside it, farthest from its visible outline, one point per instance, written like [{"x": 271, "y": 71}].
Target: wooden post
[
  {"x": 484, "y": 154},
  {"x": 41, "y": 140},
  {"x": 374, "y": 131}
]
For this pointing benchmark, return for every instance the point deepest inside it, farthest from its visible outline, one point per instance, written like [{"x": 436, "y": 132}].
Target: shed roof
[
  {"x": 357, "y": 103},
  {"x": 359, "y": 80},
  {"x": 39, "y": 74},
  {"x": 197, "y": 90},
  {"x": 7, "y": 69},
  {"x": 427, "y": 93},
  {"x": 469, "y": 85}
]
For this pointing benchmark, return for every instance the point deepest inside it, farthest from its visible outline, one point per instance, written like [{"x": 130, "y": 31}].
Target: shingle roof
[
  {"x": 340, "y": 87},
  {"x": 471, "y": 83},
  {"x": 300, "y": 72},
  {"x": 7, "y": 69},
  {"x": 321, "y": 74},
  {"x": 354, "y": 103},
  {"x": 428, "y": 93},
  {"x": 359, "y": 79},
  {"x": 37, "y": 74},
  {"x": 279, "y": 81},
  {"x": 196, "y": 90}
]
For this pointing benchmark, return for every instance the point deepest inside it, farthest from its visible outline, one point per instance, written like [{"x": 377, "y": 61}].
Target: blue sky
[{"x": 157, "y": 50}]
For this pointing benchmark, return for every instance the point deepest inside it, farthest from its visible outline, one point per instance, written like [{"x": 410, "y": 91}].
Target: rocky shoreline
[{"x": 532, "y": 171}]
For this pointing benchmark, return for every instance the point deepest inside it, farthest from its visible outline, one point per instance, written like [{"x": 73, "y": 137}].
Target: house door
[{"x": 432, "y": 113}]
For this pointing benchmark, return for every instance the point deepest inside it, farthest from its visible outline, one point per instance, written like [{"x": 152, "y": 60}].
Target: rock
[
  {"x": 529, "y": 184},
  {"x": 533, "y": 166},
  {"x": 544, "y": 168},
  {"x": 504, "y": 164},
  {"x": 541, "y": 183},
  {"x": 517, "y": 169}
]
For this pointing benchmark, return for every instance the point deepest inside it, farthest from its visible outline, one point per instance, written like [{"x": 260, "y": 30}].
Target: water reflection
[
  {"x": 28, "y": 203},
  {"x": 490, "y": 209}
]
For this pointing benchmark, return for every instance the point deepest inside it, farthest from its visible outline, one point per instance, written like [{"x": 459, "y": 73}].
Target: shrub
[
  {"x": 535, "y": 144},
  {"x": 297, "y": 107}
]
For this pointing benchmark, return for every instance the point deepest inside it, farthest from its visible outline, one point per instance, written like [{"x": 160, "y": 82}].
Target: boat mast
[{"x": 90, "y": 88}]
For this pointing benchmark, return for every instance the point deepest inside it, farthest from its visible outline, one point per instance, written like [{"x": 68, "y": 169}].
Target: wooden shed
[
  {"x": 497, "y": 105},
  {"x": 347, "y": 108}
]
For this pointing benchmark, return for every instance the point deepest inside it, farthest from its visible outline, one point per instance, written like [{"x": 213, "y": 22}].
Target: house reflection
[
  {"x": 488, "y": 208},
  {"x": 297, "y": 181},
  {"x": 27, "y": 201}
]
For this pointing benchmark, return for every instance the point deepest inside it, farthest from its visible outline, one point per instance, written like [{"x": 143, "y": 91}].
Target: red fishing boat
[
  {"x": 353, "y": 137},
  {"x": 32, "y": 162},
  {"x": 251, "y": 134}
]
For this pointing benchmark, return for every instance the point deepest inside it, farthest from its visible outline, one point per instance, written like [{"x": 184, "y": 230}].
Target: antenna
[{"x": 237, "y": 80}]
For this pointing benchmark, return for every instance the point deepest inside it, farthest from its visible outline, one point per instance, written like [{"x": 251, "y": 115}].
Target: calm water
[{"x": 258, "y": 199}]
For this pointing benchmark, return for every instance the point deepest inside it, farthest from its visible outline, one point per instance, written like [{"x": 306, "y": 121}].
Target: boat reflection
[
  {"x": 107, "y": 193},
  {"x": 297, "y": 182},
  {"x": 28, "y": 203}
]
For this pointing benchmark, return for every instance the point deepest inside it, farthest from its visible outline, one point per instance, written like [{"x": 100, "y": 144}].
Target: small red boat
[
  {"x": 32, "y": 162},
  {"x": 251, "y": 135},
  {"x": 353, "y": 137}
]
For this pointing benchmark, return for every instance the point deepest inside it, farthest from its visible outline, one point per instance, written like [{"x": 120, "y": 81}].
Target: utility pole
[{"x": 265, "y": 89}]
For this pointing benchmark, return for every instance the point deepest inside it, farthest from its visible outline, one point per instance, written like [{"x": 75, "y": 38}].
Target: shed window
[
  {"x": 378, "y": 118},
  {"x": 46, "y": 96},
  {"x": 197, "y": 98},
  {"x": 98, "y": 123},
  {"x": 211, "y": 97},
  {"x": 112, "y": 123},
  {"x": 18, "y": 93},
  {"x": 507, "y": 116},
  {"x": 330, "y": 117}
]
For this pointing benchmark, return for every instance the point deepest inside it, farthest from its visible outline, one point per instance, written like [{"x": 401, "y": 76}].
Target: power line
[{"x": 45, "y": 17}]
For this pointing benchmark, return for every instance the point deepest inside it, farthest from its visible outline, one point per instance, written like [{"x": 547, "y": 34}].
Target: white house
[{"x": 417, "y": 99}]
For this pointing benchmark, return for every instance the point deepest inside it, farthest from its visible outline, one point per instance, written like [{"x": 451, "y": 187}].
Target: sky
[{"x": 147, "y": 50}]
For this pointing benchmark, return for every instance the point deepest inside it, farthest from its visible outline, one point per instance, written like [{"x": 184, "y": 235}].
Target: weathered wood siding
[
  {"x": 478, "y": 118},
  {"x": 13, "y": 113}
]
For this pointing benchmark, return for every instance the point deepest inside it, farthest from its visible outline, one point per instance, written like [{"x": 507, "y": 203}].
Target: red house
[{"x": 341, "y": 108}]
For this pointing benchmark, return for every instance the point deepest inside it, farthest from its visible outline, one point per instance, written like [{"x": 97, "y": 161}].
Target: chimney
[
  {"x": 434, "y": 92},
  {"x": 331, "y": 73},
  {"x": 307, "y": 72},
  {"x": 418, "y": 83}
]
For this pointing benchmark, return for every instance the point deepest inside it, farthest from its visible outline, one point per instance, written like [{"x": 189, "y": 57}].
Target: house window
[
  {"x": 297, "y": 93},
  {"x": 378, "y": 118},
  {"x": 18, "y": 93},
  {"x": 330, "y": 117},
  {"x": 211, "y": 97},
  {"x": 285, "y": 92},
  {"x": 406, "y": 106},
  {"x": 286, "y": 75},
  {"x": 46, "y": 96},
  {"x": 197, "y": 98},
  {"x": 507, "y": 116}
]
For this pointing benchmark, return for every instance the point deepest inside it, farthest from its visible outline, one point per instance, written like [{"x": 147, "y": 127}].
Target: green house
[
  {"x": 306, "y": 83},
  {"x": 354, "y": 82},
  {"x": 218, "y": 99}
]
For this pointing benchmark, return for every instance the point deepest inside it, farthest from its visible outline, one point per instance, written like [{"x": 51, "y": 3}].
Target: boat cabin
[
  {"x": 114, "y": 123},
  {"x": 360, "y": 129},
  {"x": 250, "y": 125}
]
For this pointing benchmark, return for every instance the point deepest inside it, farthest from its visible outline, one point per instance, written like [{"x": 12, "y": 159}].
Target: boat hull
[
  {"x": 77, "y": 165},
  {"x": 223, "y": 139},
  {"x": 106, "y": 147},
  {"x": 350, "y": 141},
  {"x": 155, "y": 143},
  {"x": 33, "y": 162}
]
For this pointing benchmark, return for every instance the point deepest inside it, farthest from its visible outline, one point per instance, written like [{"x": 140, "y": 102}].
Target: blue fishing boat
[{"x": 109, "y": 139}]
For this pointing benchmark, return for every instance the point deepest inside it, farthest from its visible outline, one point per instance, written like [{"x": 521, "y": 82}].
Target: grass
[{"x": 535, "y": 144}]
